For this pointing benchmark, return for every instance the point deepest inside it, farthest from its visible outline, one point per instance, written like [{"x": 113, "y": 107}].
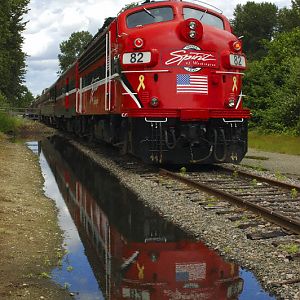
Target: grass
[
  {"x": 275, "y": 143},
  {"x": 9, "y": 124}
]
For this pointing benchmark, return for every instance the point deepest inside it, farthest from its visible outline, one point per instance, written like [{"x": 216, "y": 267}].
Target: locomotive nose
[{"x": 190, "y": 30}]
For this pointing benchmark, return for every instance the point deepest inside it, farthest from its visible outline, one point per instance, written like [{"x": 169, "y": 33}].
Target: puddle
[{"x": 116, "y": 248}]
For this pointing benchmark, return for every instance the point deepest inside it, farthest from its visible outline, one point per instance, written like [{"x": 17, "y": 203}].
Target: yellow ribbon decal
[
  {"x": 234, "y": 87},
  {"x": 141, "y": 85},
  {"x": 141, "y": 271}
]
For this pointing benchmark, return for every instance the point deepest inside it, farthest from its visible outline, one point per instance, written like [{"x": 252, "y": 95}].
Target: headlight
[
  {"x": 154, "y": 102},
  {"x": 192, "y": 25},
  {"x": 138, "y": 43},
  {"x": 231, "y": 102},
  {"x": 192, "y": 34}
]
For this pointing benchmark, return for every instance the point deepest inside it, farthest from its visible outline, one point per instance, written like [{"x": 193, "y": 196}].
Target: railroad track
[
  {"x": 263, "y": 208},
  {"x": 276, "y": 201}
]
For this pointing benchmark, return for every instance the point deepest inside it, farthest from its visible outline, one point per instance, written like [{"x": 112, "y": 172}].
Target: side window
[
  {"x": 204, "y": 17},
  {"x": 150, "y": 16}
]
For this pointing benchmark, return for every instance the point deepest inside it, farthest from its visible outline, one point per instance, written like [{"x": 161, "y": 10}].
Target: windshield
[
  {"x": 204, "y": 17},
  {"x": 149, "y": 16}
]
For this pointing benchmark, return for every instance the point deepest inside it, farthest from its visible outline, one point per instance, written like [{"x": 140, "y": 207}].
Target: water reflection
[
  {"x": 133, "y": 252},
  {"x": 116, "y": 248}
]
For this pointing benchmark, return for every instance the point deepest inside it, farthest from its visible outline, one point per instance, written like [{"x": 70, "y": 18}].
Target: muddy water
[{"x": 116, "y": 248}]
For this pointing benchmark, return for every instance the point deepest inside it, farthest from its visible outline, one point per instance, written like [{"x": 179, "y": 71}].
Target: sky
[{"x": 52, "y": 21}]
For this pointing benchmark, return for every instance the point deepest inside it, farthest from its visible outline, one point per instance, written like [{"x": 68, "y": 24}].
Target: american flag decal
[{"x": 187, "y": 83}]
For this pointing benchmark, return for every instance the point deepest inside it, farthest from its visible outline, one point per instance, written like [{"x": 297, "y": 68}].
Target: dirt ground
[{"x": 30, "y": 239}]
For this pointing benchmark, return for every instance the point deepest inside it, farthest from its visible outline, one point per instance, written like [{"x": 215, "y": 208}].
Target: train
[
  {"x": 161, "y": 81},
  {"x": 135, "y": 253}
]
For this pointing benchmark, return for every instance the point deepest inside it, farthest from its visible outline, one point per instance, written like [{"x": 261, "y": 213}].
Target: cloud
[{"x": 53, "y": 21}]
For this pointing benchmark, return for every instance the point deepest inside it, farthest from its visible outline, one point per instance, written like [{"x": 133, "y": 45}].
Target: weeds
[
  {"x": 227, "y": 249},
  {"x": 279, "y": 176},
  {"x": 254, "y": 182},
  {"x": 9, "y": 124},
  {"x": 67, "y": 285},
  {"x": 294, "y": 193},
  {"x": 70, "y": 268},
  {"x": 182, "y": 170},
  {"x": 290, "y": 248},
  {"x": 45, "y": 275}
]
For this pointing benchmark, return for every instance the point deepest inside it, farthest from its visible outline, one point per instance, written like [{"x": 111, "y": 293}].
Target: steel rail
[
  {"x": 261, "y": 178},
  {"x": 272, "y": 216}
]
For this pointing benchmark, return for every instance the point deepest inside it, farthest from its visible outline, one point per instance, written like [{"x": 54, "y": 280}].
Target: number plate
[
  {"x": 136, "y": 58},
  {"x": 237, "y": 61}
]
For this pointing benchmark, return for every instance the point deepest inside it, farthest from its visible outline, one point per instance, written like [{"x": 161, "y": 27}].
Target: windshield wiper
[
  {"x": 148, "y": 12},
  {"x": 203, "y": 15}
]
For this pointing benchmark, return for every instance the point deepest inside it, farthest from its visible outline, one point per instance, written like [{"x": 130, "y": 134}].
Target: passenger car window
[
  {"x": 150, "y": 16},
  {"x": 204, "y": 17}
]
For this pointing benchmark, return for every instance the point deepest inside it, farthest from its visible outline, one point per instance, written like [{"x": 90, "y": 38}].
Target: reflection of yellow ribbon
[
  {"x": 232, "y": 269},
  {"x": 142, "y": 85},
  {"x": 141, "y": 271},
  {"x": 234, "y": 87}
]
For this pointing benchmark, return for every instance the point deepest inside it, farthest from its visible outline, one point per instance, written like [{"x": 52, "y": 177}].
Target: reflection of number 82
[{"x": 136, "y": 57}]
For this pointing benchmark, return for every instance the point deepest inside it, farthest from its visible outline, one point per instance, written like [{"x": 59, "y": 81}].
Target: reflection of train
[
  {"x": 162, "y": 81},
  {"x": 143, "y": 256}
]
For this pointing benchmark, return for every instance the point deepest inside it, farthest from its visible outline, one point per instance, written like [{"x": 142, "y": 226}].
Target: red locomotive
[
  {"x": 134, "y": 253},
  {"x": 162, "y": 81}
]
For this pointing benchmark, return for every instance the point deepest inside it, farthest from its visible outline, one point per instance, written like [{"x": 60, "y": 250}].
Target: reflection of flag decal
[
  {"x": 187, "y": 83},
  {"x": 190, "y": 271}
]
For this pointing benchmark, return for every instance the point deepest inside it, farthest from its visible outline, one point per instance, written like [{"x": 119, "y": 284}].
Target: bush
[
  {"x": 272, "y": 86},
  {"x": 9, "y": 124}
]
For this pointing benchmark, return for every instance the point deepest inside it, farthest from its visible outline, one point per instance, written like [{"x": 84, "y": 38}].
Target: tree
[
  {"x": 3, "y": 101},
  {"x": 128, "y": 6},
  {"x": 272, "y": 85},
  {"x": 12, "y": 58},
  {"x": 72, "y": 48},
  {"x": 288, "y": 19},
  {"x": 257, "y": 23},
  {"x": 25, "y": 99}
]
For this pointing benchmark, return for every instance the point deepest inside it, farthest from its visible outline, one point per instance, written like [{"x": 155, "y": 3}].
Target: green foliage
[
  {"x": 9, "y": 124},
  {"x": 288, "y": 19},
  {"x": 294, "y": 193},
  {"x": 290, "y": 248},
  {"x": 72, "y": 48},
  {"x": 12, "y": 58},
  {"x": 70, "y": 268},
  {"x": 256, "y": 22},
  {"x": 45, "y": 275},
  {"x": 3, "y": 101},
  {"x": 182, "y": 170},
  {"x": 128, "y": 6},
  {"x": 25, "y": 98},
  {"x": 272, "y": 85},
  {"x": 254, "y": 182}
]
